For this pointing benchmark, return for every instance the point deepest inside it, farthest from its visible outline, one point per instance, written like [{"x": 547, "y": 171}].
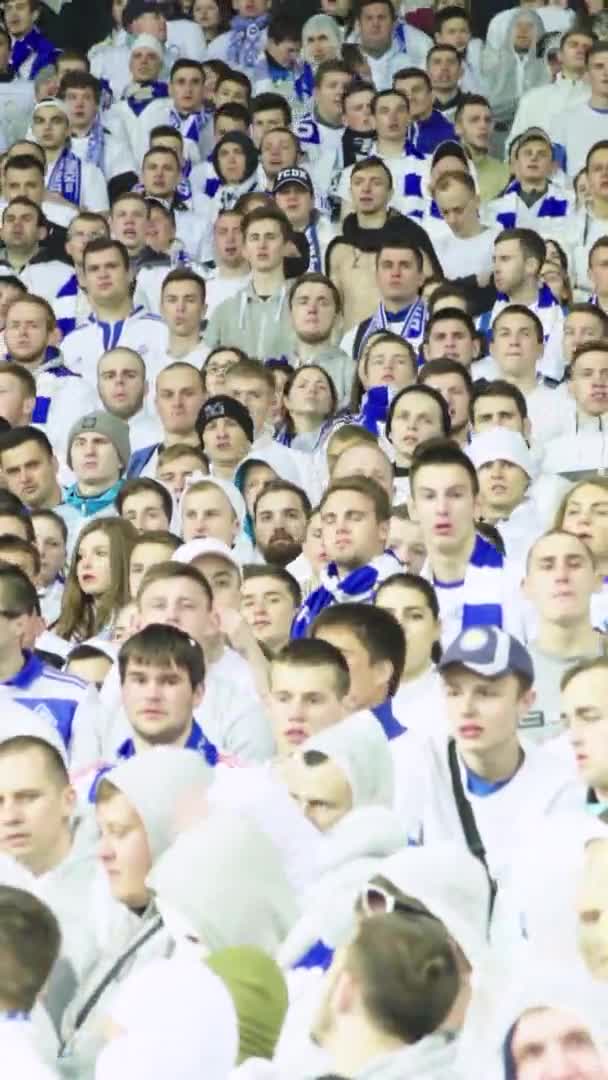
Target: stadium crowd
[{"x": 304, "y": 542}]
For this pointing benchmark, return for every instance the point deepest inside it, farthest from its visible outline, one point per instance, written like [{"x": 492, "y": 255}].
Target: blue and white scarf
[
  {"x": 35, "y": 44},
  {"x": 246, "y": 40},
  {"x": 544, "y": 302},
  {"x": 66, "y": 177},
  {"x": 96, "y": 143},
  {"x": 315, "y": 262},
  {"x": 359, "y": 586},
  {"x": 483, "y": 586},
  {"x": 191, "y": 125},
  {"x": 412, "y": 328},
  {"x": 553, "y": 204},
  {"x": 139, "y": 95}
]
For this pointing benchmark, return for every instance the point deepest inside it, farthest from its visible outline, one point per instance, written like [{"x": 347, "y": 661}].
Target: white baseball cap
[{"x": 195, "y": 549}]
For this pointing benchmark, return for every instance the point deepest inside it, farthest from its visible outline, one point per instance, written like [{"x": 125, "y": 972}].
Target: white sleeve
[
  {"x": 87, "y": 731},
  {"x": 94, "y": 189}
]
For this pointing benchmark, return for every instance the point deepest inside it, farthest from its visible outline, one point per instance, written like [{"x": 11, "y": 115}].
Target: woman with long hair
[
  {"x": 412, "y": 600},
  {"x": 97, "y": 585},
  {"x": 310, "y": 400},
  {"x": 213, "y": 17}
]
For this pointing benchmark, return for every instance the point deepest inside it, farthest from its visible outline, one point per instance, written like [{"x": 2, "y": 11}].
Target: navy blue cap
[
  {"x": 293, "y": 175},
  {"x": 490, "y": 652}
]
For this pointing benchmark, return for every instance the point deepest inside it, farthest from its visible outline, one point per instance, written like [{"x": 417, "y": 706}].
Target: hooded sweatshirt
[
  {"x": 167, "y": 788},
  {"x": 167, "y": 1011},
  {"x": 510, "y": 74},
  {"x": 261, "y": 327},
  {"x": 226, "y": 879}
]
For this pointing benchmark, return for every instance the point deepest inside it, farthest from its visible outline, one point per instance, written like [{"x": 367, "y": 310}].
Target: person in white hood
[
  {"x": 173, "y": 1018},
  {"x": 141, "y": 806},
  {"x": 222, "y": 884}
]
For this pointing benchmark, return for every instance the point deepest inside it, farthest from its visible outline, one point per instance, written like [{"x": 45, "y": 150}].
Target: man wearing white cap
[
  {"x": 146, "y": 85},
  {"x": 78, "y": 182},
  {"x": 505, "y": 469}
]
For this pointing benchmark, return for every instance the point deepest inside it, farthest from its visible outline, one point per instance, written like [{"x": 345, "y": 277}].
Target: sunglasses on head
[{"x": 377, "y": 901}]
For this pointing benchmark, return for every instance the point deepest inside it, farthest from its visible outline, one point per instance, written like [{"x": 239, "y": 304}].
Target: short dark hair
[
  {"x": 168, "y": 571},
  {"x": 266, "y": 213},
  {"x": 443, "y": 48},
  {"x": 80, "y": 80},
  {"x": 163, "y": 646},
  {"x": 331, "y": 67},
  {"x": 22, "y": 200},
  {"x": 277, "y": 573},
  {"x": 184, "y": 62},
  {"x": 314, "y": 278},
  {"x": 442, "y": 452},
  {"x": 364, "y": 486},
  {"x": 56, "y": 519},
  {"x": 158, "y": 536},
  {"x": 87, "y": 652},
  {"x": 21, "y": 162},
  {"x": 30, "y": 939},
  {"x": 144, "y": 483},
  {"x": 599, "y": 663},
  {"x": 284, "y": 28},
  {"x": 165, "y": 131},
  {"x": 451, "y": 313},
  {"x": 22, "y": 375},
  {"x": 274, "y": 486},
  {"x": 447, "y": 13},
  {"x": 599, "y": 345},
  {"x": 430, "y": 392},
  {"x": 18, "y": 436},
  {"x": 446, "y": 366},
  {"x": 532, "y": 244},
  {"x": 525, "y": 313},
  {"x": 448, "y": 288},
  {"x": 308, "y": 652},
  {"x": 20, "y": 596},
  {"x": 412, "y": 73},
  {"x": 154, "y": 151},
  {"x": 236, "y": 77},
  {"x": 601, "y": 144},
  {"x": 401, "y": 245},
  {"x": 182, "y": 274},
  {"x": 498, "y": 388},
  {"x": 466, "y": 99},
  {"x": 234, "y": 110},
  {"x": 269, "y": 100},
  {"x": 376, "y": 630},
  {"x": 16, "y": 545},
  {"x": 94, "y": 247},
  {"x": 372, "y": 162},
  {"x": 412, "y": 581}
]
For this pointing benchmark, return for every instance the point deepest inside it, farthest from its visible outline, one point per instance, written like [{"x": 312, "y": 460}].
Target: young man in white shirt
[
  {"x": 129, "y": 222},
  {"x": 390, "y": 110},
  {"x": 544, "y": 105},
  {"x": 106, "y": 273},
  {"x": 468, "y": 248},
  {"x": 231, "y": 271},
  {"x": 62, "y": 393},
  {"x": 519, "y": 255},
  {"x": 475, "y": 584},
  {"x": 81, "y": 183},
  {"x": 179, "y": 396},
  {"x": 577, "y": 448},
  {"x": 24, "y": 175},
  {"x": 517, "y": 351},
  {"x": 532, "y": 199},
  {"x": 583, "y": 711},
  {"x": 71, "y": 303},
  {"x": 122, "y": 389},
  {"x": 24, "y": 231},
  {"x": 576, "y": 130},
  {"x": 183, "y": 310},
  {"x": 483, "y": 788},
  {"x": 92, "y": 138},
  {"x": 560, "y": 581},
  {"x": 160, "y": 176}
]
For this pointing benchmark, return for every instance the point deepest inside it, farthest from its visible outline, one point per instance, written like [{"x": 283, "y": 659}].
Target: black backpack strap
[
  {"x": 115, "y": 970},
  {"x": 467, "y": 820}
]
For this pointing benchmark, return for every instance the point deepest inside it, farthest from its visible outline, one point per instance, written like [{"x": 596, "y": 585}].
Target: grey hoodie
[
  {"x": 261, "y": 327},
  {"x": 432, "y": 1058},
  {"x": 167, "y": 787},
  {"x": 509, "y": 74}
]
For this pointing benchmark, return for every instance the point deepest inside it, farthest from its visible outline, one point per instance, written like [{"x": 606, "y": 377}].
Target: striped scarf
[
  {"x": 246, "y": 38},
  {"x": 551, "y": 205},
  {"x": 357, "y": 587},
  {"x": 483, "y": 586},
  {"x": 66, "y": 177},
  {"x": 412, "y": 329}
]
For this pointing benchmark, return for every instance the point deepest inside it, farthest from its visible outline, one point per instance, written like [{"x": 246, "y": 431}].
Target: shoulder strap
[
  {"x": 467, "y": 820},
  {"x": 114, "y": 971}
]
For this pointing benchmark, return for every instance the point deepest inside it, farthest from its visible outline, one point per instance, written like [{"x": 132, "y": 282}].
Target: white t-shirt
[{"x": 460, "y": 258}]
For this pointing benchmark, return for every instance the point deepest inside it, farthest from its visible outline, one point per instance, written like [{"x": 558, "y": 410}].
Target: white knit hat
[
  {"x": 147, "y": 41},
  {"x": 501, "y": 444}
]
